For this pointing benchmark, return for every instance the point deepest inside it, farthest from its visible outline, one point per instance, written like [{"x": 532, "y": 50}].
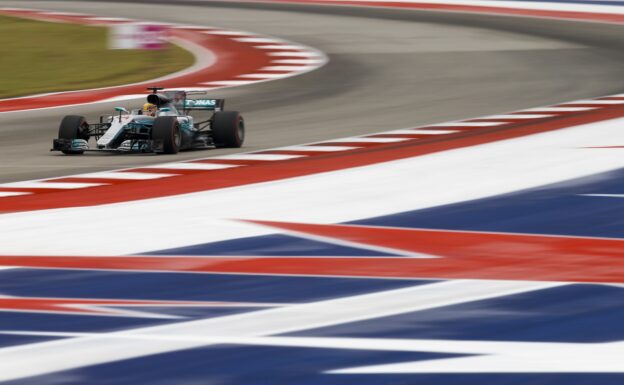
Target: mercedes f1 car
[{"x": 172, "y": 129}]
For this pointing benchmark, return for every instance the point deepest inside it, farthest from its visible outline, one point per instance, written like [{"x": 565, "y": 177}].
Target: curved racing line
[{"x": 240, "y": 58}]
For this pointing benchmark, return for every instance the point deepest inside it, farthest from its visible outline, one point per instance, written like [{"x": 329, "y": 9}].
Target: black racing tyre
[
  {"x": 166, "y": 130},
  {"x": 228, "y": 129},
  {"x": 73, "y": 127}
]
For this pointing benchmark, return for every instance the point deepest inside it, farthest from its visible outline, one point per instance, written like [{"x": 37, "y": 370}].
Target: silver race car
[{"x": 170, "y": 130}]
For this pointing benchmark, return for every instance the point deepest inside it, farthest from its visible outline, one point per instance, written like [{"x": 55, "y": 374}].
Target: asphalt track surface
[{"x": 388, "y": 69}]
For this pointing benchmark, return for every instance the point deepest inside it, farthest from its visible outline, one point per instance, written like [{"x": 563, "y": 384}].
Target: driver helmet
[{"x": 149, "y": 109}]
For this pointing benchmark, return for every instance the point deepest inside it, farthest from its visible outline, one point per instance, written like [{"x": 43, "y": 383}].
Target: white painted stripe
[
  {"x": 609, "y": 9},
  {"x": 367, "y": 140},
  {"x": 20, "y": 9},
  {"x": 263, "y": 76},
  {"x": 159, "y": 23},
  {"x": 229, "y": 83},
  {"x": 287, "y": 68},
  {"x": 559, "y": 109},
  {"x": 298, "y": 61},
  {"x": 4, "y": 194},
  {"x": 191, "y": 166},
  {"x": 109, "y": 19},
  {"x": 518, "y": 116},
  {"x": 64, "y": 14},
  {"x": 604, "y": 195},
  {"x": 480, "y": 356},
  {"x": 267, "y": 157},
  {"x": 413, "y": 131},
  {"x": 399, "y": 132},
  {"x": 52, "y": 356},
  {"x": 257, "y": 40},
  {"x": 227, "y": 33},
  {"x": 278, "y": 46},
  {"x": 124, "y": 97},
  {"x": 317, "y": 148},
  {"x": 189, "y": 27},
  {"x": 301, "y": 54},
  {"x": 468, "y": 124},
  {"x": 54, "y": 185},
  {"x": 124, "y": 175},
  {"x": 595, "y": 102},
  {"x": 432, "y": 132}
]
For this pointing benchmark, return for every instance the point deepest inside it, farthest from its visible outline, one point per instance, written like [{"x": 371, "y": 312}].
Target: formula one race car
[{"x": 170, "y": 130}]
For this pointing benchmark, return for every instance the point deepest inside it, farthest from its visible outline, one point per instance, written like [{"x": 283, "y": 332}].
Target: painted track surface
[
  {"x": 367, "y": 301},
  {"x": 351, "y": 95}
]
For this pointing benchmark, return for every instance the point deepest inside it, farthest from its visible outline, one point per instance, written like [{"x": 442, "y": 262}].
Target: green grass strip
[{"x": 38, "y": 57}]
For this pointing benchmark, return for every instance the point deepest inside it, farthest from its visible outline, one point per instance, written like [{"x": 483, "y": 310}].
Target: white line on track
[
  {"x": 405, "y": 131},
  {"x": 200, "y": 27},
  {"x": 228, "y": 33},
  {"x": 48, "y": 357},
  {"x": 109, "y": 19},
  {"x": 517, "y": 116},
  {"x": 159, "y": 23},
  {"x": 368, "y": 140},
  {"x": 295, "y": 54},
  {"x": 432, "y": 132},
  {"x": 558, "y": 109},
  {"x": 267, "y": 157},
  {"x": 228, "y": 83},
  {"x": 316, "y": 148},
  {"x": 124, "y": 97},
  {"x": 417, "y": 132},
  {"x": 603, "y": 195},
  {"x": 21, "y": 9},
  {"x": 124, "y": 175},
  {"x": 64, "y": 14},
  {"x": 263, "y": 76},
  {"x": 478, "y": 356},
  {"x": 191, "y": 166},
  {"x": 53, "y": 185},
  {"x": 257, "y": 40},
  {"x": 278, "y": 46},
  {"x": 468, "y": 124},
  {"x": 4, "y": 194},
  {"x": 287, "y": 68},
  {"x": 297, "y": 61},
  {"x": 595, "y": 101}
]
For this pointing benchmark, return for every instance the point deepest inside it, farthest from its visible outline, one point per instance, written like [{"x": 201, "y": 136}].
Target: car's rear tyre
[
  {"x": 166, "y": 132},
  {"x": 73, "y": 127},
  {"x": 228, "y": 129}
]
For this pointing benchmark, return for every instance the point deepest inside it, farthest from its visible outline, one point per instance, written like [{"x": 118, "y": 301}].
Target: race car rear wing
[
  {"x": 204, "y": 104},
  {"x": 181, "y": 101}
]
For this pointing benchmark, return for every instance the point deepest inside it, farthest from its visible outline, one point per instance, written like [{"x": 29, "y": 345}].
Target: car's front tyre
[
  {"x": 166, "y": 135},
  {"x": 73, "y": 127}
]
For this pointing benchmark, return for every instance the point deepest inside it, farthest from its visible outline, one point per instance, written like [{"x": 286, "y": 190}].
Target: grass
[{"x": 38, "y": 57}]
